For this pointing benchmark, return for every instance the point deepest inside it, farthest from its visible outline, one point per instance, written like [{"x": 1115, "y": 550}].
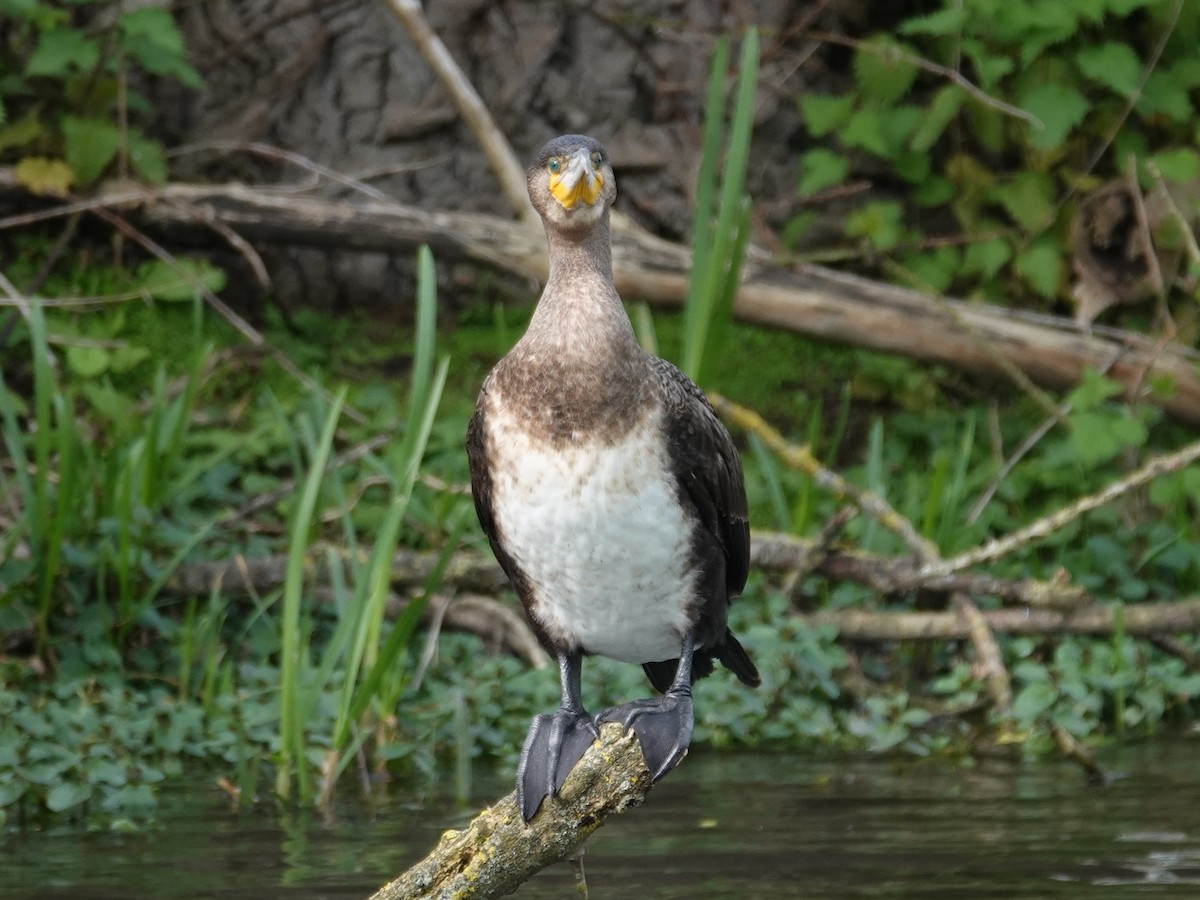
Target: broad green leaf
[
  {"x": 147, "y": 158},
  {"x": 1112, "y": 64},
  {"x": 944, "y": 22},
  {"x": 821, "y": 168},
  {"x": 882, "y": 69},
  {"x": 1098, "y": 436},
  {"x": 1033, "y": 700},
  {"x": 67, "y": 794},
  {"x": 935, "y": 269},
  {"x": 39, "y": 175},
  {"x": 151, "y": 36},
  {"x": 989, "y": 66},
  {"x": 1163, "y": 96},
  {"x": 986, "y": 257},
  {"x": 865, "y": 131},
  {"x": 1181, "y": 164},
  {"x": 91, "y": 145},
  {"x": 164, "y": 282},
  {"x": 1059, "y": 107},
  {"x": 85, "y": 361},
  {"x": 1028, "y": 197},
  {"x": 824, "y": 113},
  {"x": 1093, "y": 389},
  {"x": 61, "y": 51},
  {"x": 941, "y": 112},
  {"x": 880, "y": 223},
  {"x": 1041, "y": 267}
]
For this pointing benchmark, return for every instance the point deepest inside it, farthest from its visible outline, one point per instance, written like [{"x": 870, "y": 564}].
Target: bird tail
[{"x": 730, "y": 652}]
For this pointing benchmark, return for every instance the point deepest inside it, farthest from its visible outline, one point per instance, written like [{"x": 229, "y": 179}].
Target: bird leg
[
  {"x": 555, "y": 743},
  {"x": 663, "y": 726}
]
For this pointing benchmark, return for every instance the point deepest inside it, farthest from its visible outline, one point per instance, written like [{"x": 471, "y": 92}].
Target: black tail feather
[{"x": 731, "y": 654}]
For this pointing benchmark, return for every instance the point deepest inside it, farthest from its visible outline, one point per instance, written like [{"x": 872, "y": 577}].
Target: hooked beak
[{"x": 577, "y": 181}]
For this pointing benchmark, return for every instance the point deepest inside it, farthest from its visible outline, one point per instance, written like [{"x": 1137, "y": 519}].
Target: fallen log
[
  {"x": 815, "y": 301},
  {"x": 1141, "y": 619}
]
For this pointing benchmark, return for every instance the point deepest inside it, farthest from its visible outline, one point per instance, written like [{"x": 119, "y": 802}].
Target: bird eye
[
  {"x": 554, "y": 165},
  {"x": 597, "y": 158}
]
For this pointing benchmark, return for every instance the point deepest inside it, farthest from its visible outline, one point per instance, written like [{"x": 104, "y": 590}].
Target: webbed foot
[
  {"x": 663, "y": 727},
  {"x": 552, "y": 748}
]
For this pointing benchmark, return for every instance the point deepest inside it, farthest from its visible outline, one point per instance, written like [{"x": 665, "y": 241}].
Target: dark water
[{"x": 738, "y": 826}]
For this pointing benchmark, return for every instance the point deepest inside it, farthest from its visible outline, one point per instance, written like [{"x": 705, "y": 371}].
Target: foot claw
[
  {"x": 552, "y": 748},
  {"x": 663, "y": 728}
]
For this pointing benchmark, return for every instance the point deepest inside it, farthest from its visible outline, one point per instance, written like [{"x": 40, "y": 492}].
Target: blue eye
[
  {"x": 597, "y": 159},
  {"x": 554, "y": 165}
]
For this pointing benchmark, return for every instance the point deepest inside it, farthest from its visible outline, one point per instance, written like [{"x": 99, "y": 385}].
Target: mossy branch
[{"x": 498, "y": 852}]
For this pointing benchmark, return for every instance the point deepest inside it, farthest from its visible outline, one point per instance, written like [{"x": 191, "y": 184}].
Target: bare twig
[
  {"x": 470, "y": 105},
  {"x": 993, "y": 550},
  {"x": 990, "y": 660}
]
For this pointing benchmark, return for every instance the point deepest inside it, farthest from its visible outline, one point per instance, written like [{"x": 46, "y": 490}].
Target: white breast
[{"x": 600, "y": 536}]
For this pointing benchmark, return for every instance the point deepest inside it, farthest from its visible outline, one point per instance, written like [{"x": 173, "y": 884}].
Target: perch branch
[{"x": 497, "y": 852}]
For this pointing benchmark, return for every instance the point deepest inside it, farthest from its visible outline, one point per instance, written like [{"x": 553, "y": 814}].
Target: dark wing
[{"x": 709, "y": 472}]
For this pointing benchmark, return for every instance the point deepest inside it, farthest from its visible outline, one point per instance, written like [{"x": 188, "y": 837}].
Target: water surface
[{"x": 743, "y": 825}]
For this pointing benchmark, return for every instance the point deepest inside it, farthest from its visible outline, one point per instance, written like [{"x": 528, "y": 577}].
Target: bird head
[{"x": 571, "y": 181}]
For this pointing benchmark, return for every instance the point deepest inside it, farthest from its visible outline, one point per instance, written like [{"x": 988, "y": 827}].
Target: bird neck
[{"x": 579, "y": 304}]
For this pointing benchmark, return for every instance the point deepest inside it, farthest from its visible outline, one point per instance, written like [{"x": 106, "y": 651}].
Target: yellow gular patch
[{"x": 569, "y": 190}]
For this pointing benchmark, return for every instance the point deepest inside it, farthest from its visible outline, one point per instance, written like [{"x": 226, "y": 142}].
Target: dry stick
[
  {"x": 252, "y": 334},
  {"x": 801, "y": 459},
  {"x": 470, "y": 106},
  {"x": 1189, "y": 236},
  {"x": 993, "y": 672},
  {"x": 993, "y": 550},
  {"x": 1030, "y": 441},
  {"x": 498, "y": 852}
]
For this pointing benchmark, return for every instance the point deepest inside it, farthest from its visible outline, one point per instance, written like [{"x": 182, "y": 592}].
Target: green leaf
[
  {"x": 1162, "y": 96},
  {"x": 1112, "y": 64},
  {"x": 151, "y": 36},
  {"x": 1181, "y": 164},
  {"x": 882, "y": 69},
  {"x": 147, "y": 158},
  {"x": 944, "y": 22},
  {"x": 1093, "y": 389},
  {"x": 941, "y": 112},
  {"x": 824, "y": 113},
  {"x": 1059, "y": 107},
  {"x": 880, "y": 223},
  {"x": 986, "y": 257},
  {"x": 1028, "y": 197},
  {"x": 91, "y": 145},
  {"x": 1041, "y": 267},
  {"x": 67, "y": 794},
  {"x": 865, "y": 131},
  {"x": 821, "y": 168},
  {"x": 85, "y": 361},
  {"x": 162, "y": 281},
  {"x": 1033, "y": 700},
  {"x": 1099, "y": 435},
  {"x": 62, "y": 51},
  {"x": 17, "y": 7}
]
